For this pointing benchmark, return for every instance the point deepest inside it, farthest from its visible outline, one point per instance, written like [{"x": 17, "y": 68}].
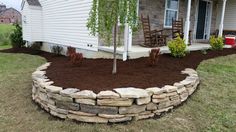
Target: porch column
[
  {"x": 187, "y": 22},
  {"x": 127, "y": 41},
  {"x": 221, "y": 27}
]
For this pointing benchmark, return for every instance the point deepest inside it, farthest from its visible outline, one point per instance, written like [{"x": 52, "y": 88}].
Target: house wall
[
  {"x": 26, "y": 22},
  {"x": 214, "y": 25},
  {"x": 36, "y": 24},
  {"x": 2, "y": 7},
  {"x": 4, "y": 20},
  {"x": 230, "y": 15},
  {"x": 32, "y": 23},
  {"x": 64, "y": 23},
  {"x": 156, "y": 11}
]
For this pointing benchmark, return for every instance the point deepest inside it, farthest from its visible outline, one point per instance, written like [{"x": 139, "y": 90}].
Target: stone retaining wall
[{"x": 119, "y": 105}]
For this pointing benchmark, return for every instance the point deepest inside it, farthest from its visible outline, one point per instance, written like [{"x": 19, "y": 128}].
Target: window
[
  {"x": 24, "y": 19},
  {"x": 171, "y": 12}
]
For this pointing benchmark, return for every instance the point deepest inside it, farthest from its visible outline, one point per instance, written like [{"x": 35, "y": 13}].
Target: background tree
[
  {"x": 17, "y": 37},
  {"x": 105, "y": 16}
]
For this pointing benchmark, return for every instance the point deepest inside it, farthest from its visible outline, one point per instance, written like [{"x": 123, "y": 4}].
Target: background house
[
  {"x": 9, "y": 15},
  {"x": 64, "y": 23}
]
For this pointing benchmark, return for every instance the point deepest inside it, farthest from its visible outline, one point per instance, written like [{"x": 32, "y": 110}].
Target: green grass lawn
[
  {"x": 6, "y": 28},
  {"x": 2, "y": 47},
  {"x": 5, "y": 31},
  {"x": 211, "y": 108}
]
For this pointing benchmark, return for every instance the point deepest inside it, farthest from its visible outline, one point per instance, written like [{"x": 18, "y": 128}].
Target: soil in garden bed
[{"x": 95, "y": 74}]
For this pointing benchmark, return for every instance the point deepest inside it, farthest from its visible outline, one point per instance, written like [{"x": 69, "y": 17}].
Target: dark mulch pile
[{"x": 95, "y": 74}]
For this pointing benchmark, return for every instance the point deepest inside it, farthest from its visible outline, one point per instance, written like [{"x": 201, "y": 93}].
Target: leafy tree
[
  {"x": 17, "y": 37},
  {"x": 105, "y": 16}
]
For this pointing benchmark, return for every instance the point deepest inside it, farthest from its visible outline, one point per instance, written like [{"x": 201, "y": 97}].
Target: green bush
[
  {"x": 204, "y": 51},
  {"x": 16, "y": 37},
  {"x": 57, "y": 49},
  {"x": 217, "y": 43},
  {"x": 36, "y": 47},
  {"x": 177, "y": 47}
]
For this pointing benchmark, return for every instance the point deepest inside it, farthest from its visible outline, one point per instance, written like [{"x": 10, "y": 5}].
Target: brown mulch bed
[{"x": 95, "y": 74}]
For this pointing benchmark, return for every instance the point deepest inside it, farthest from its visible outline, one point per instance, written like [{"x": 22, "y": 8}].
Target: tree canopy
[{"x": 105, "y": 14}]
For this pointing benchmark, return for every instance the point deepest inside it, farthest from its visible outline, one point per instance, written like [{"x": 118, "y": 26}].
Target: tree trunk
[{"x": 114, "y": 71}]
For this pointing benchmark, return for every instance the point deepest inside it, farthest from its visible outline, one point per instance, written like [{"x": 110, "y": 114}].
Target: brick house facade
[
  {"x": 9, "y": 15},
  {"x": 156, "y": 11},
  {"x": 4, "y": 20}
]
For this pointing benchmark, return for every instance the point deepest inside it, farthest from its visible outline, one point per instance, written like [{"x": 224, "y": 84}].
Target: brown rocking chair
[
  {"x": 178, "y": 28},
  {"x": 152, "y": 38}
]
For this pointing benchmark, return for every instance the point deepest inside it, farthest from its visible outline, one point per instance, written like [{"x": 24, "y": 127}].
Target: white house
[{"x": 63, "y": 22}]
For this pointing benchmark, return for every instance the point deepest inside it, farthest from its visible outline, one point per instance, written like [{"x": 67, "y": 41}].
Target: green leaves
[
  {"x": 217, "y": 43},
  {"x": 177, "y": 47},
  {"x": 17, "y": 37},
  {"x": 105, "y": 14}
]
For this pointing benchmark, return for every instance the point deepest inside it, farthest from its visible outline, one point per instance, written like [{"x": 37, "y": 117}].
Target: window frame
[{"x": 169, "y": 9}]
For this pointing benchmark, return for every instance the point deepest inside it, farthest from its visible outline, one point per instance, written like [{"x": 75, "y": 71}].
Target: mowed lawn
[
  {"x": 6, "y": 28},
  {"x": 5, "y": 32},
  {"x": 211, "y": 108}
]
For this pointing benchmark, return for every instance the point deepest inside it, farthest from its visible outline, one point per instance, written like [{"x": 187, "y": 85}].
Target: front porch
[
  {"x": 201, "y": 24},
  {"x": 137, "y": 51}
]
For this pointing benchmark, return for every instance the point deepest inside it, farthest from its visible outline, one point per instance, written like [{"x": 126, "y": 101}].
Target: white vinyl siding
[
  {"x": 64, "y": 23},
  {"x": 230, "y": 15},
  {"x": 32, "y": 23},
  {"x": 36, "y": 23},
  {"x": 26, "y": 27}
]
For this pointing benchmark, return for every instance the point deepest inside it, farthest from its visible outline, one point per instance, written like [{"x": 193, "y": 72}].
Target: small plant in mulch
[
  {"x": 76, "y": 59},
  {"x": 70, "y": 51},
  {"x": 153, "y": 57},
  {"x": 217, "y": 43},
  {"x": 36, "y": 47},
  {"x": 57, "y": 50},
  {"x": 177, "y": 47},
  {"x": 204, "y": 51}
]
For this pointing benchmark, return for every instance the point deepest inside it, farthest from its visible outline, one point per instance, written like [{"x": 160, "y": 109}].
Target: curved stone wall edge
[{"x": 118, "y": 105}]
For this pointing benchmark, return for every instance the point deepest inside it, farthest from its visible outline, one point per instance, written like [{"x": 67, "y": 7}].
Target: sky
[{"x": 12, "y": 3}]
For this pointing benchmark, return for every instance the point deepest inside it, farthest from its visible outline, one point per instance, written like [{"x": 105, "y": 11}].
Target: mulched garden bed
[{"x": 95, "y": 74}]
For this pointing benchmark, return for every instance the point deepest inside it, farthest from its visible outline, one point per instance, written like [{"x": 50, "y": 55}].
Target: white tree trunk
[{"x": 114, "y": 71}]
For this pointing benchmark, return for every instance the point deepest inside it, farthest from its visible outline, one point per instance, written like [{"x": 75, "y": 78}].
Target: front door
[{"x": 203, "y": 21}]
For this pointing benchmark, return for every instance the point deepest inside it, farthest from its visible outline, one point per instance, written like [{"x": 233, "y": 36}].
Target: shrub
[
  {"x": 217, "y": 43},
  {"x": 70, "y": 51},
  {"x": 177, "y": 47},
  {"x": 204, "y": 51},
  {"x": 153, "y": 57},
  {"x": 57, "y": 50},
  {"x": 16, "y": 37},
  {"x": 36, "y": 47},
  {"x": 76, "y": 58}
]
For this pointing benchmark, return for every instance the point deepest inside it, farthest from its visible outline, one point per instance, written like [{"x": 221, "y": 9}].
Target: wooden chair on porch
[
  {"x": 152, "y": 38},
  {"x": 178, "y": 28}
]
